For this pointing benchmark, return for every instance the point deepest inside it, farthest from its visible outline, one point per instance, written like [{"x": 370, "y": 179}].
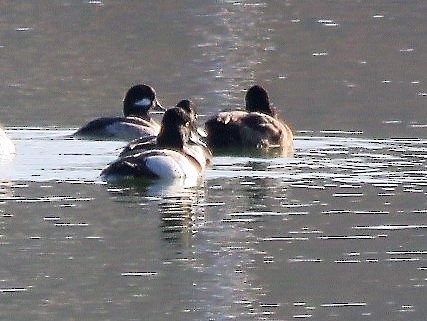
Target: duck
[
  {"x": 7, "y": 148},
  {"x": 169, "y": 158},
  {"x": 258, "y": 128},
  {"x": 194, "y": 145},
  {"x": 138, "y": 101}
]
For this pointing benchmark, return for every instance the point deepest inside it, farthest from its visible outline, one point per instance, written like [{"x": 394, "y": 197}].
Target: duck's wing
[
  {"x": 200, "y": 155},
  {"x": 266, "y": 131},
  {"x": 150, "y": 124},
  {"x": 138, "y": 145},
  {"x": 118, "y": 128},
  {"x": 129, "y": 166},
  {"x": 223, "y": 130},
  {"x": 139, "y": 121},
  {"x": 95, "y": 126},
  {"x": 263, "y": 124}
]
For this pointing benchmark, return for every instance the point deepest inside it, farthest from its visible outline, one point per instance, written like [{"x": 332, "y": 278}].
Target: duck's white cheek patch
[{"x": 143, "y": 103}]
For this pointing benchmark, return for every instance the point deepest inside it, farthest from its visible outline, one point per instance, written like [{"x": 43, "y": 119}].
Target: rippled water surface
[{"x": 336, "y": 233}]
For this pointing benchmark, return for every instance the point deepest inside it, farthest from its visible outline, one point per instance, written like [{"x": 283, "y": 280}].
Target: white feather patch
[
  {"x": 145, "y": 102},
  {"x": 172, "y": 165},
  {"x": 126, "y": 130}
]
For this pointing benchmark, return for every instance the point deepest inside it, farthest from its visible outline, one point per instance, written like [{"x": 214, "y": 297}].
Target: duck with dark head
[
  {"x": 171, "y": 156},
  {"x": 137, "y": 122},
  {"x": 258, "y": 128},
  {"x": 194, "y": 142}
]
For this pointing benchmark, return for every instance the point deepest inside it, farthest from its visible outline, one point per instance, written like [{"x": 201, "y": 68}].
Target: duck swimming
[
  {"x": 256, "y": 128},
  {"x": 194, "y": 145},
  {"x": 139, "y": 100},
  {"x": 170, "y": 157}
]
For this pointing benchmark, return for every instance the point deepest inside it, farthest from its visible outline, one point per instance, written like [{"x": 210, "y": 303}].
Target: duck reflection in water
[{"x": 180, "y": 207}]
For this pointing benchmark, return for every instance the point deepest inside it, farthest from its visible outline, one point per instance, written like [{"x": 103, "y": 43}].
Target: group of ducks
[{"x": 178, "y": 148}]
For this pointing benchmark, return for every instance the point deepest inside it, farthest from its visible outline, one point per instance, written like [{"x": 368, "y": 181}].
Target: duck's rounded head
[
  {"x": 175, "y": 128},
  {"x": 139, "y": 100},
  {"x": 189, "y": 107},
  {"x": 257, "y": 101}
]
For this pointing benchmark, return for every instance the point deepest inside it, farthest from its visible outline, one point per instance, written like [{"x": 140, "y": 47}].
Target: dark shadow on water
[{"x": 249, "y": 152}]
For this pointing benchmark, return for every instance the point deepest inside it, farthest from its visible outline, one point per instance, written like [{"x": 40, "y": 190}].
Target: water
[{"x": 337, "y": 232}]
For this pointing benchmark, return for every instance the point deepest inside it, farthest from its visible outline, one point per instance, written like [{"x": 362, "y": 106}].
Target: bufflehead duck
[
  {"x": 257, "y": 128},
  {"x": 170, "y": 158},
  {"x": 136, "y": 121},
  {"x": 195, "y": 144}
]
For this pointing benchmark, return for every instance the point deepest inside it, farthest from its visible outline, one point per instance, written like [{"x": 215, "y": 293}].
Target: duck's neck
[
  {"x": 139, "y": 112},
  {"x": 261, "y": 107},
  {"x": 171, "y": 138},
  {"x": 144, "y": 117}
]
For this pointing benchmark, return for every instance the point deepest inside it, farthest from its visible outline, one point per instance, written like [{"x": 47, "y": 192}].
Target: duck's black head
[
  {"x": 189, "y": 107},
  {"x": 257, "y": 101},
  {"x": 139, "y": 100},
  {"x": 175, "y": 129}
]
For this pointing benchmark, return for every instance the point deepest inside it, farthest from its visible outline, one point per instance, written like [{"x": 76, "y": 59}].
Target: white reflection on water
[
  {"x": 344, "y": 160},
  {"x": 49, "y": 154},
  {"x": 224, "y": 34},
  {"x": 44, "y": 154},
  {"x": 7, "y": 149},
  {"x": 252, "y": 239}
]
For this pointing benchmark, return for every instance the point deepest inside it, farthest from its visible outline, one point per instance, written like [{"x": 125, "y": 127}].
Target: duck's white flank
[
  {"x": 128, "y": 130},
  {"x": 172, "y": 165}
]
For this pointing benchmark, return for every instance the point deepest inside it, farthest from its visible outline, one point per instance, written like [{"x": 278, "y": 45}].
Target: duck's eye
[{"x": 187, "y": 124}]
